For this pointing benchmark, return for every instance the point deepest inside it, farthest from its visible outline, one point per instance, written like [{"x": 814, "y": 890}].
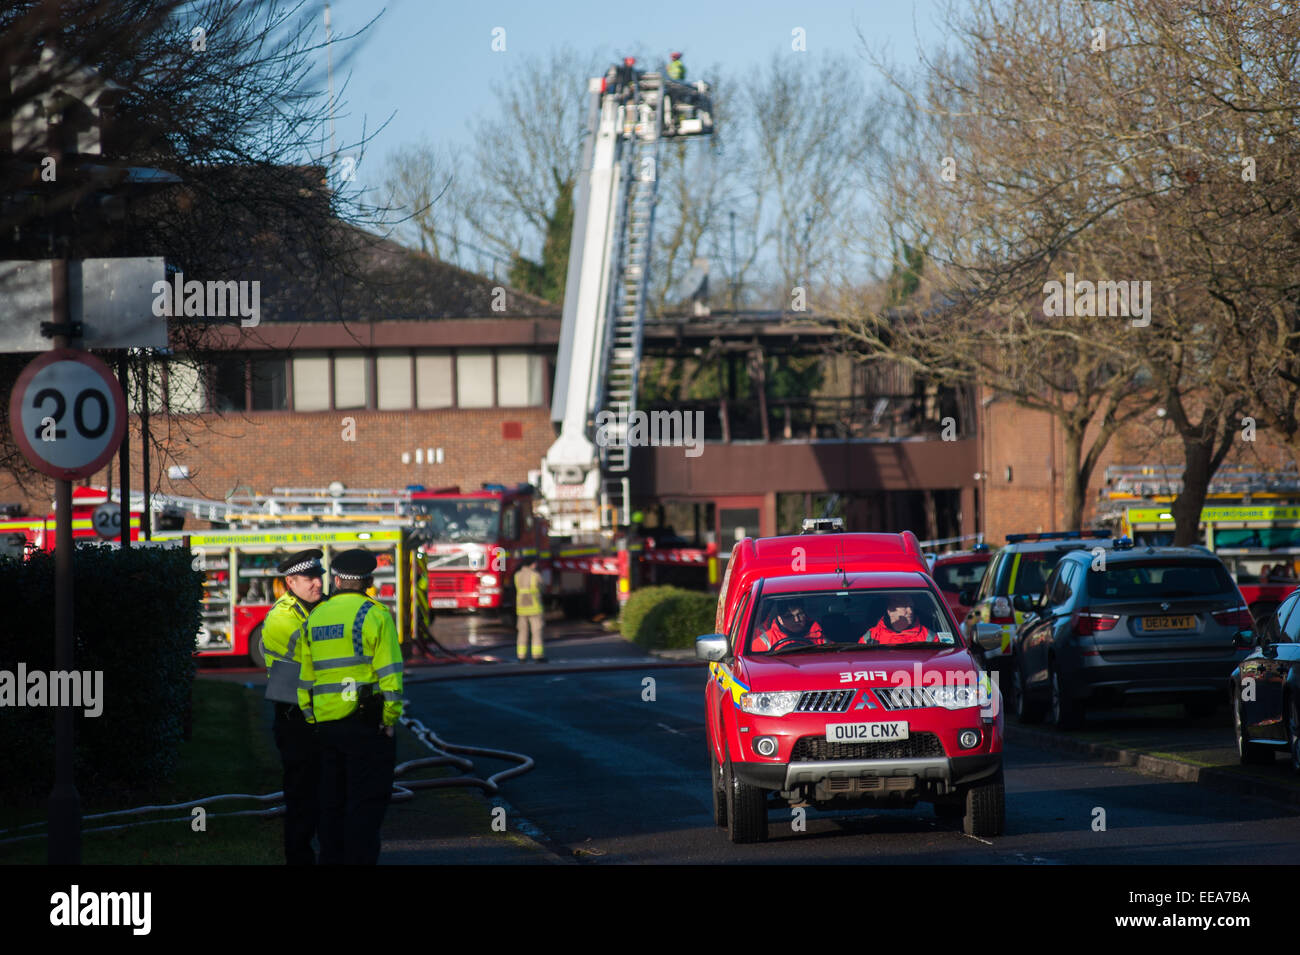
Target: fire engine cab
[{"x": 839, "y": 676}]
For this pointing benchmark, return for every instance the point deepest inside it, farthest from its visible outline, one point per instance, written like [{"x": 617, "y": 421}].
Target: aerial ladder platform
[{"x": 583, "y": 478}]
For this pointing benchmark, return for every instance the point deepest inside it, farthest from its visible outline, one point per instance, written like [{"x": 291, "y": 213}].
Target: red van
[{"x": 839, "y": 676}]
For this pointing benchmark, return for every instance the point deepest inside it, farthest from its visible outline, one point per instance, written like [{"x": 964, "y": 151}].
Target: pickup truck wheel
[
  {"x": 985, "y": 813},
  {"x": 255, "y": 647},
  {"x": 746, "y": 809},
  {"x": 719, "y": 793}
]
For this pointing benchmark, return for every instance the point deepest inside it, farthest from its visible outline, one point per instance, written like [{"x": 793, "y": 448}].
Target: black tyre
[
  {"x": 1250, "y": 754},
  {"x": 719, "y": 792},
  {"x": 255, "y": 647},
  {"x": 1026, "y": 709},
  {"x": 985, "y": 810},
  {"x": 1067, "y": 713},
  {"x": 746, "y": 809}
]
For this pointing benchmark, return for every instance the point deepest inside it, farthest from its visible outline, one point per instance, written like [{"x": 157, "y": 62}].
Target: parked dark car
[
  {"x": 1264, "y": 691},
  {"x": 1132, "y": 626},
  {"x": 1020, "y": 568}
]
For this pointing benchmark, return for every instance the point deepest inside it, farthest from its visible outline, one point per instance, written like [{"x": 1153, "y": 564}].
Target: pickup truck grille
[
  {"x": 824, "y": 701},
  {"x": 904, "y": 697},
  {"x": 917, "y": 746}
]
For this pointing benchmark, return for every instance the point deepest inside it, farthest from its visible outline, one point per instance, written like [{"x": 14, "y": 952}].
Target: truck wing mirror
[{"x": 712, "y": 647}]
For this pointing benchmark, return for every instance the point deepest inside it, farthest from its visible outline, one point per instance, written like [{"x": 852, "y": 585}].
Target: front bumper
[{"x": 950, "y": 772}]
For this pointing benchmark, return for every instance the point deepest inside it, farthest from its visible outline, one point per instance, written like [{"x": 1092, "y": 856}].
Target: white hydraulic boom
[{"x": 630, "y": 113}]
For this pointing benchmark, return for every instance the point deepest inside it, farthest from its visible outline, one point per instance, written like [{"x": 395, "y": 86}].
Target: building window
[
  {"x": 433, "y": 381},
  {"x": 519, "y": 379},
  {"x": 270, "y": 384},
  {"x": 393, "y": 377},
  {"x": 185, "y": 391},
  {"x": 474, "y": 379},
  {"x": 350, "y": 383},
  {"x": 311, "y": 383},
  {"x": 228, "y": 384}
]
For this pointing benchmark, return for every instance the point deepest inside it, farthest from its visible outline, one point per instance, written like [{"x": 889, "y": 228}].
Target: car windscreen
[
  {"x": 958, "y": 576},
  {"x": 472, "y": 520},
  {"x": 1159, "y": 580},
  {"x": 823, "y": 622}
]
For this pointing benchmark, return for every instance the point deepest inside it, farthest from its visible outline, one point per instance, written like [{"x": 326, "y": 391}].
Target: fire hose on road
[{"x": 403, "y": 789}]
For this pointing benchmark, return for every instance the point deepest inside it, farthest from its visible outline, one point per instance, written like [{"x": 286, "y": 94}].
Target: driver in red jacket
[
  {"x": 898, "y": 625},
  {"x": 791, "y": 623}
]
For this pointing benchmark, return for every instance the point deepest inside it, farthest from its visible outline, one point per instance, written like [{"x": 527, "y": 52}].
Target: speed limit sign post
[
  {"x": 67, "y": 414},
  {"x": 68, "y": 417}
]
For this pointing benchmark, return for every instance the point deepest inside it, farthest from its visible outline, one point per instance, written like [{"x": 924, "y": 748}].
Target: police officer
[
  {"x": 528, "y": 611},
  {"x": 351, "y": 688},
  {"x": 295, "y": 738}
]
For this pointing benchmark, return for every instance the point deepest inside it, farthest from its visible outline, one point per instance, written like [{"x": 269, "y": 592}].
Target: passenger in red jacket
[
  {"x": 898, "y": 625},
  {"x": 791, "y": 623}
]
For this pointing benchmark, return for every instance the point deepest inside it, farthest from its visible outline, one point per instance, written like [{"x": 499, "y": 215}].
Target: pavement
[{"x": 468, "y": 825}]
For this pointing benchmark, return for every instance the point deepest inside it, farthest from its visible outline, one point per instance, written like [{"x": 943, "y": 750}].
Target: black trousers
[
  {"x": 357, "y": 762},
  {"x": 300, "y": 753}
]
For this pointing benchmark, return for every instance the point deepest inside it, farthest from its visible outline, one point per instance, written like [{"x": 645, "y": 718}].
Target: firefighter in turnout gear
[
  {"x": 351, "y": 688},
  {"x": 282, "y": 638},
  {"x": 528, "y": 611}
]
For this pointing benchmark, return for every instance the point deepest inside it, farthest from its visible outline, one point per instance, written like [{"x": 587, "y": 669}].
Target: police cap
[
  {"x": 305, "y": 562},
  {"x": 355, "y": 564}
]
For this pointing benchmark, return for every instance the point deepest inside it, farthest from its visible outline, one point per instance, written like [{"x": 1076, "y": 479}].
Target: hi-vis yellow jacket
[
  {"x": 351, "y": 643},
  {"x": 282, "y": 632}
]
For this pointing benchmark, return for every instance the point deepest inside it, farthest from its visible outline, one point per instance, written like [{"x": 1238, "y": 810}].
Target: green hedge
[
  {"x": 136, "y": 613},
  {"x": 664, "y": 618}
]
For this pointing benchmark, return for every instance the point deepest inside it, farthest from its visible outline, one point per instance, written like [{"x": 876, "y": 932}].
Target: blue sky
[{"x": 430, "y": 63}]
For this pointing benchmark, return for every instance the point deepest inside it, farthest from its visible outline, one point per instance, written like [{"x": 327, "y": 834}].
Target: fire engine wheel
[
  {"x": 985, "y": 813},
  {"x": 746, "y": 809},
  {"x": 719, "y": 793},
  {"x": 255, "y": 647}
]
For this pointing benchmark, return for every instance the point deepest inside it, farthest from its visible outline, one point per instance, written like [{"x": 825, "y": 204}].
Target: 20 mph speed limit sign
[{"x": 67, "y": 414}]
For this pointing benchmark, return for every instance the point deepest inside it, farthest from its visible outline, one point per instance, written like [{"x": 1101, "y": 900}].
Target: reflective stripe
[
  {"x": 391, "y": 695},
  {"x": 293, "y": 642},
  {"x": 306, "y": 684},
  {"x": 342, "y": 662},
  {"x": 357, "y": 648},
  {"x": 341, "y": 688},
  {"x": 311, "y": 717},
  {"x": 391, "y": 668}
]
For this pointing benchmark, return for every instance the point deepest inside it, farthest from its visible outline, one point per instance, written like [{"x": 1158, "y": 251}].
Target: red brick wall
[{"x": 262, "y": 450}]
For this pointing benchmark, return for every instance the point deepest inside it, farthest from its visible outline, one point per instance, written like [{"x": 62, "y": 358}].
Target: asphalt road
[{"x": 623, "y": 779}]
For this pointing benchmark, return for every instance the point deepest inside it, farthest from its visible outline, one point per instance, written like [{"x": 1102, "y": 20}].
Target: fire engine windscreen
[
  {"x": 461, "y": 521},
  {"x": 821, "y": 622}
]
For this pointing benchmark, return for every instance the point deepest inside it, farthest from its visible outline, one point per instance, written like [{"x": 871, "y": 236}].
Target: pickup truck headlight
[
  {"x": 955, "y": 697},
  {"x": 769, "y": 704}
]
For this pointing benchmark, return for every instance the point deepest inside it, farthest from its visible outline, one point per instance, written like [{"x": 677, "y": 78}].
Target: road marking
[{"x": 670, "y": 729}]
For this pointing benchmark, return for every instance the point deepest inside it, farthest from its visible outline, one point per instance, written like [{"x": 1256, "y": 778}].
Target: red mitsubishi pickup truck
[{"x": 838, "y": 676}]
